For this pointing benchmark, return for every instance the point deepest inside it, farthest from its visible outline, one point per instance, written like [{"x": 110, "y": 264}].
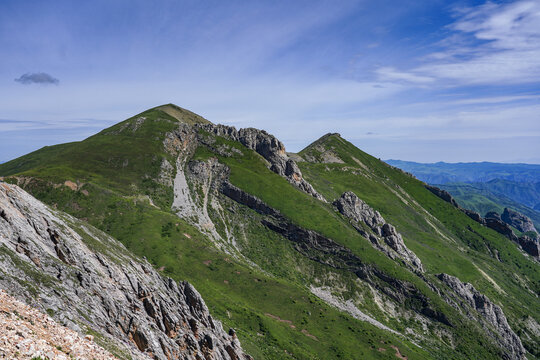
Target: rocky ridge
[
  {"x": 490, "y": 312},
  {"x": 518, "y": 220},
  {"x": 270, "y": 148},
  {"x": 494, "y": 221},
  {"x": 384, "y": 236},
  {"x": 90, "y": 282},
  {"x": 326, "y": 251}
]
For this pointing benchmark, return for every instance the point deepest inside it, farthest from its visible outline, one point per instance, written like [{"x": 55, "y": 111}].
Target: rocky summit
[{"x": 166, "y": 236}]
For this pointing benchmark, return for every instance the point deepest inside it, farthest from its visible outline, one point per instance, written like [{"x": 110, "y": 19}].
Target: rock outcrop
[
  {"x": 27, "y": 334},
  {"x": 530, "y": 246},
  {"x": 518, "y": 220},
  {"x": 324, "y": 250},
  {"x": 386, "y": 238},
  {"x": 475, "y": 216},
  {"x": 270, "y": 148},
  {"x": 490, "y": 312},
  {"x": 90, "y": 282},
  {"x": 495, "y": 222},
  {"x": 527, "y": 244},
  {"x": 443, "y": 194}
]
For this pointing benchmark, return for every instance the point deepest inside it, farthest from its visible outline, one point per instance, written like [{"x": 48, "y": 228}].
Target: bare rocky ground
[
  {"x": 89, "y": 282},
  {"x": 26, "y": 333}
]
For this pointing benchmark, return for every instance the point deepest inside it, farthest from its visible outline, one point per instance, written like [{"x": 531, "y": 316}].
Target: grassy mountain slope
[
  {"x": 258, "y": 282},
  {"x": 445, "y": 239},
  {"x": 526, "y": 193},
  {"x": 115, "y": 174},
  {"x": 477, "y": 197}
]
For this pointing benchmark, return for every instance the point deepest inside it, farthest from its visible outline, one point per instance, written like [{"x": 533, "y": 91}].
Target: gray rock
[
  {"x": 270, "y": 148},
  {"x": 518, "y": 220},
  {"x": 443, "y": 194},
  {"x": 392, "y": 244},
  {"x": 88, "y": 280},
  {"x": 493, "y": 215},
  {"x": 326, "y": 251},
  {"x": 475, "y": 216},
  {"x": 501, "y": 227},
  {"x": 500, "y": 224},
  {"x": 527, "y": 244},
  {"x": 354, "y": 208},
  {"x": 530, "y": 246},
  {"x": 490, "y": 312}
]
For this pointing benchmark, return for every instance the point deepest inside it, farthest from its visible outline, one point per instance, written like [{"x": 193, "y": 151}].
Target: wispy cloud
[
  {"x": 37, "y": 78},
  {"x": 495, "y": 100},
  {"x": 391, "y": 74},
  {"x": 490, "y": 44}
]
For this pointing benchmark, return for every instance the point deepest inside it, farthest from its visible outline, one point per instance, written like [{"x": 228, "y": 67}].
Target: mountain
[
  {"x": 89, "y": 282},
  {"x": 328, "y": 253},
  {"x": 442, "y": 173},
  {"x": 526, "y": 193},
  {"x": 478, "y": 198},
  {"x": 484, "y": 187}
]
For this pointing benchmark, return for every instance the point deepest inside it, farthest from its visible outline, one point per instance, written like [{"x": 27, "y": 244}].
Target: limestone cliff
[{"x": 89, "y": 282}]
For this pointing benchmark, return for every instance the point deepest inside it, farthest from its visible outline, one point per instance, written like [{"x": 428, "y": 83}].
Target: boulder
[
  {"x": 392, "y": 244},
  {"x": 518, "y": 220},
  {"x": 490, "y": 313},
  {"x": 88, "y": 280}
]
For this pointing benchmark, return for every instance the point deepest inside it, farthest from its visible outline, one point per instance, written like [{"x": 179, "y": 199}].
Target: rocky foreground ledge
[
  {"x": 90, "y": 283},
  {"x": 26, "y": 333}
]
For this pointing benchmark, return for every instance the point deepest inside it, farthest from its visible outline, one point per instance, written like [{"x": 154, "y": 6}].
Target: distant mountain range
[
  {"x": 484, "y": 186},
  {"x": 442, "y": 173}
]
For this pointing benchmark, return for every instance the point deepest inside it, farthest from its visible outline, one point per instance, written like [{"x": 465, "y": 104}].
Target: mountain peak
[
  {"x": 180, "y": 114},
  {"x": 326, "y": 149}
]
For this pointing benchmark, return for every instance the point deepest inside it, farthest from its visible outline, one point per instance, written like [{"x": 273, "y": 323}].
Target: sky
[{"x": 418, "y": 80}]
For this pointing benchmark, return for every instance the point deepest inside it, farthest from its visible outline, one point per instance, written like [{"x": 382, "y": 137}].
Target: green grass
[
  {"x": 468, "y": 246},
  {"x": 241, "y": 296},
  {"x": 116, "y": 168},
  {"x": 476, "y": 197}
]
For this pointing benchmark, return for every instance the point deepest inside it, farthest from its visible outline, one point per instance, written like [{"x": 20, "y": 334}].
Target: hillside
[
  {"x": 479, "y": 198},
  {"x": 526, "y": 193},
  {"x": 91, "y": 284},
  {"x": 329, "y": 253}
]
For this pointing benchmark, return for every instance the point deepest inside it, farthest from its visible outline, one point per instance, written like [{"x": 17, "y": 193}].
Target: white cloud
[
  {"x": 489, "y": 45},
  {"x": 494, "y": 100},
  {"x": 391, "y": 74}
]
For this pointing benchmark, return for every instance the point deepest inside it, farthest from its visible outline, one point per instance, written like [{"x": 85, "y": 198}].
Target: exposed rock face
[
  {"x": 443, "y": 194},
  {"x": 501, "y": 227},
  {"x": 326, "y": 251},
  {"x": 475, "y": 216},
  {"x": 27, "y": 334},
  {"x": 494, "y": 221},
  {"x": 268, "y": 147},
  {"x": 89, "y": 280},
  {"x": 358, "y": 212},
  {"x": 517, "y": 220},
  {"x": 493, "y": 215},
  {"x": 490, "y": 312},
  {"x": 530, "y": 246}
]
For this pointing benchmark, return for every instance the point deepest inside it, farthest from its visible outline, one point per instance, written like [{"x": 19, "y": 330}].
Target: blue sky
[{"x": 414, "y": 80}]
